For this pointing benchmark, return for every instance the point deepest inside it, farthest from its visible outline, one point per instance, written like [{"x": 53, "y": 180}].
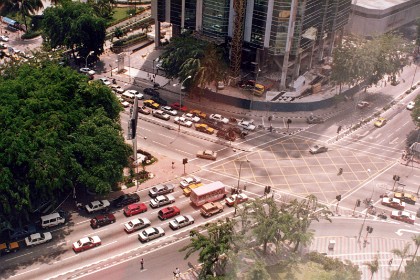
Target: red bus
[{"x": 208, "y": 193}]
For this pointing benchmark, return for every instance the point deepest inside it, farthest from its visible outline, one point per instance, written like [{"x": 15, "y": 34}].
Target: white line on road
[
  {"x": 164, "y": 145},
  {"x": 181, "y": 151},
  {"x": 18, "y": 256},
  {"x": 164, "y": 135},
  {"x": 24, "y": 272}
]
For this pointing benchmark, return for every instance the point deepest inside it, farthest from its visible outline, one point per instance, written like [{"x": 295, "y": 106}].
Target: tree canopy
[
  {"x": 59, "y": 133},
  {"x": 75, "y": 26}
]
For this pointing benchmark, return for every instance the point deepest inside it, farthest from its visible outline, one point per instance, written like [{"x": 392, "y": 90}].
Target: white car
[
  {"x": 186, "y": 182},
  {"x": 219, "y": 118},
  {"x": 169, "y": 110},
  {"x": 151, "y": 233},
  {"x": 136, "y": 224},
  {"x": 191, "y": 117},
  {"x": 181, "y": 221},
  {"x": 117, "y": 89},
  {"x": 97, "y": 206},
  {"x": 4, "y": 38},
  {"x": 183, "y": 121},
  {"x": 248, "y": 125},
  {"x": 38, "y": 238},
  {"x": 105, "y": 81},
  {"x": 87, "y": 71},
  {"x": 410, "y": 105},
  {"x": 135, "y": 93}
]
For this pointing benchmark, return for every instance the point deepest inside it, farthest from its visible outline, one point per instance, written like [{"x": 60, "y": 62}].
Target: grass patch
[
  {"x": 119, "y": 13},
  {"x": 302, "y": 271}
]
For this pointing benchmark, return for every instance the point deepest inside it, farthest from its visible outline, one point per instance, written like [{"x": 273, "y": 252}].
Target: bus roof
[{"x": 206, "y": 188}]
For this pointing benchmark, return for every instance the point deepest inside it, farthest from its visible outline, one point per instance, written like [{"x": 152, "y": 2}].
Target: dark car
[
  {"x": 226, "y": 134},
  {"x": 314, "y": 119},
  {"x": 20, "y": 233},
  {"x": 159, "y": 100},
  {"x": 102, "y": 220},
  {"x": 125, "y": 199},
  {"x": 151, "y": 92},
  {"x": 214, "y": 124}
]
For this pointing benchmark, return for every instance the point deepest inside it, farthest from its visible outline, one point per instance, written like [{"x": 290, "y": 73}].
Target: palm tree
[
  {"x": 373, "y": 266},
  {"x": 402, "y": 254},
  {"x": 28, "y": 7},
  {"x": 416, "y": 239}
]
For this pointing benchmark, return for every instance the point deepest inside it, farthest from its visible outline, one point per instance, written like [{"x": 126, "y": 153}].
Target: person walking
[
  {"x": 141, "y": 264},
  {"x": 177, "y": 273}
]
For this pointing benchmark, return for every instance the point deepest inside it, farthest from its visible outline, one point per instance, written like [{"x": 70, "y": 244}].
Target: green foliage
[
  {"x": 75, "y": 26},
  {"x": 102, "y": 8},
  {"x": 258, "y": 272},
  {"x": 31, "y": 34},
  {"x": 342, "y": 270},
  {"x": 135, "y": 38},
  {"x": 411, "y": 271},
  {"x": 58, "y": 133},
  {"x": 415, "y": 113},
  {"x": 118, "y": 32},
  {"x": 369, "y": 60},
  {"x": 188, "y": 56}
]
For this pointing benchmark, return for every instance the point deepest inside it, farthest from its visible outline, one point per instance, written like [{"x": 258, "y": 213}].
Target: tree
[
  {"x": 402, "y": 254},
  {"x": 65, "y": 137},
  {"x": 24, "y": 7},
  {"x": 75, "y": 26},
  {"x": 258, "y": 272},
  {"x": 373, "y": 266},
  {"x": 415, "y": 113},
  {"x": 411, "y": 271},
  {"x": 213, "y": 247},
  {"x": 416, "y": 240},
  {"x": 102, "y": 8}
]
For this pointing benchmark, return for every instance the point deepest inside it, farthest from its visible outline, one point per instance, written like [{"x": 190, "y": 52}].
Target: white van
[
  {"x": 128, "y": 95},
  {"x": 52, "y": 220}
]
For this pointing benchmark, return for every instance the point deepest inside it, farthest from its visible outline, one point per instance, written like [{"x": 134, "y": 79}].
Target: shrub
[{"x": 31, "y": 34}]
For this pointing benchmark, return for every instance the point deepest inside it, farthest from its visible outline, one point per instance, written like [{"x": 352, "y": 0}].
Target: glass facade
[
  {"x": 258, "y": 23},
  {"x": 161, "y": 10},
  {"x": 215, "y": 18},
  {"x": 190, "y": 14},
  {"x": 176, "y": 12}
]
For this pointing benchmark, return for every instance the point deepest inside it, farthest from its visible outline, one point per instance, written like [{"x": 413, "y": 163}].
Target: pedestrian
[
  {"x": 177, "y": 272},
  {"x": 390, "y": 261},
  {"x": 141, "y": 264},
  {"x": 173, "y": 163}
]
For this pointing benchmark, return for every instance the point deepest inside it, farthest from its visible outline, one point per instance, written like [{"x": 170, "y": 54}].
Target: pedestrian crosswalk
[{"x": 348, "y": 248}]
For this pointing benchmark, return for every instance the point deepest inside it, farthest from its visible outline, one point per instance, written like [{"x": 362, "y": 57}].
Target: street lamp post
[
  {"x": 237, "y": 188},
  {"x": 89, "y": 54},
  {"x": 180, "y": 98}
]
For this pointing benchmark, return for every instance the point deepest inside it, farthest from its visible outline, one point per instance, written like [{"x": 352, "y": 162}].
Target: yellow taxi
[
  {"x": 380, "y": 122},
  {"x": 259, "y": 90},
  {"x": 151, "y": 104},
  {"x": 187, "y": 190},
  {"x": 199, "y": 114},
  {"x": 204, "y": 128}
]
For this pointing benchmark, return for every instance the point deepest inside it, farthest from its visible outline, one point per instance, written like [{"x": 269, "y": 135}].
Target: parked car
[
  {"x": 403, "y": 216},
  {"x": 87, "y": 71},
  {"x": 189, "y": 181},
  {"x": 363, "y": 104},
  {"x": 3, "y": 46},
  {"x": 219, "y": 118},
  {"x": 248, "y": 125},
  {"x": 125, "y": 199},
  {"x": 211, "y": 208},
  {"x": 4, "y": 38},
  {"x": 187, "y": 190},
  {"x": 151, "y": 92},
  {"x": 214, "y": 124},
  {"x": 207, "y": 154},
  {"x": 161, "y": 115},
  {"x": 102, "y": 220},
  {"x": 191, "y": 117},
  {"x": 182, "y": 121},
  {"x": 135, "y": 93},
  {"x": 117, "y": 89},
  {"x": 410, "y": 105},
  {"x": 204, "y": 128},
  {"x": 97, "y": 205},
  {"x": 136, "y": 224},
  {"x": 406, "y": 197},
  {"x": 86, "y": 243},
  {"x": 38, "y": 238},
  {"x": 380, "y": 122},
  {"x": 168, "y": 212},
  {"x": 151, "y": 233},
  {"x": 162, "y": 200},
  {"x": 199, "y": 114},
  {"x": 317, "y": 149},
  {"x": 9, "y": 247},
  {"x": 22, "y": 232},
  {"x": 236, "y": 198},
  {"x": 314, "y": 119},
  {"x": 105, "y": 81},
  {"x": 161, "y": 189},
  {"x": 178, "y": 107},
  {"x": 226, "y": 134},
  {"x": 181, "y": 221},
  {"x": 151, "y": 104},
  {"x": 143, "y": 110},
  {"x": 134, "y": 209},
  {"x": 393, "y": 203},
  {"x": 169, "y": 110}
]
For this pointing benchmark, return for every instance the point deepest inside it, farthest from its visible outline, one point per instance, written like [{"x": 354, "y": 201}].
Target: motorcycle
[{"x": 382, "y": 216}]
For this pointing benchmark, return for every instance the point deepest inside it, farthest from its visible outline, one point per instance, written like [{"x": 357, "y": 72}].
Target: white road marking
[
  {"x": 181, "y": 151},
  {"x": 399, "y": 232},
  {"x": 164, "y": 135},
  {"x": 164, "y": 145},
  {"x": 19, "y": 256},
  {"x": 24, "y": 272}
]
